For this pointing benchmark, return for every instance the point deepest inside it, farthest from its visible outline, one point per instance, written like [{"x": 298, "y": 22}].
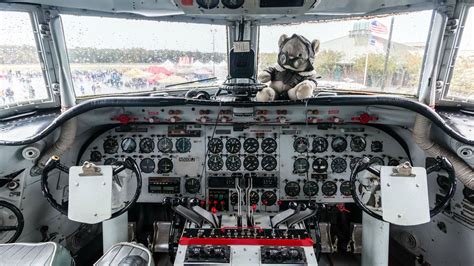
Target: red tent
[{"x": 159, "y": 70}]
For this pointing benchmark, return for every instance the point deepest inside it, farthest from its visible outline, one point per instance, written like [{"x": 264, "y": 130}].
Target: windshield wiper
[{"x": 190, "y": 82}]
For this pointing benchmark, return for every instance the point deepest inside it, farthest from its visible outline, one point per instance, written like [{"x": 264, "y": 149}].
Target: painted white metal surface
[
  {"x": 405, "y": 198},
  {"x": 114, "y": 231},
  {"x": 90, "y": 197},
  {"x": 375, "y": 238}
]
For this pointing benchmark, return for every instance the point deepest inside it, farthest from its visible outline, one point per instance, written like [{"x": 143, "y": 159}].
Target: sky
[{"x": 99, "y": 32}]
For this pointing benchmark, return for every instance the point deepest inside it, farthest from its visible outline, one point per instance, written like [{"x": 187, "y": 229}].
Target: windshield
[
  {"x": 21, "y": 75},
  {"x": 382, "y": 54},
  {"x": 112, "y": 55}
]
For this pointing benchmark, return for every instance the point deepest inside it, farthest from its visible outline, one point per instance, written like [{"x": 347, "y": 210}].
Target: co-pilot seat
[{"x": 47, "y": 253}]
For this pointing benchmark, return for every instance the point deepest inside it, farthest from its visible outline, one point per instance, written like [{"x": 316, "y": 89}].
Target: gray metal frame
[
  {"x": 450, "y": 50},
  {"x": 46, "y": 58}
]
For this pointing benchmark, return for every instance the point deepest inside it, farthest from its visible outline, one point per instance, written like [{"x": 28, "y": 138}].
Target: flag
[
  {"x": 377, "y": 27},
  {"x": 376, "y": 43}
]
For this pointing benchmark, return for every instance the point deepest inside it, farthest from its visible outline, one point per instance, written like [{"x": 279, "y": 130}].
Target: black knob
[
  {"x": 194, "y": 202},
  {"x": 195, "y": 252},
  {"x": 312, "y": 205},
  {"x": 295, "y": 254},
  {"x": 303, "y": 206},
  {"x": 293, "y": 205},
  {"x": 284, "y": 254}
]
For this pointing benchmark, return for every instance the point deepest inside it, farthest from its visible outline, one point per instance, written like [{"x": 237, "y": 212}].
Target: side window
[
  {"x": 462, "y": 81},
  {"x": 21, "y": 76}
]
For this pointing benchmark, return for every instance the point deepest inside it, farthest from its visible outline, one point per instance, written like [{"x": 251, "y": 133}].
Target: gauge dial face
[
  {"x": 146, "y": 145},
  {"x": 339, "y": 144},
  {"x": 269, "y": 145},
  {"x": 269, "y": 198},
  {"x": 233, "y": 4},
  {"x": 192, "y": 185},
  {"x": 393, "y": 162},
  {"x": 310, "y": 188},
  {"x": 96, "y": 156},
  {"x": 234, "y": 198},
  {"x": 110, "y": 161},
  {"x": 183, "y": 145},
  {"x": 320, "y": 144},
  {"x": 165, "y": 145},
  {"x": 215, "y": 162},
  {"x": 377, "y": 161},
  {"x": 207, "y": 4},
  {"x": 165, "y": 165},
  {"x": 233, "y": 163},
  {"x": 233, "y": 145},
  {"x": 147, "y": 165},
  {"x": 301, "y": 165},
  {"x": 254, "y": 197},
  {"x": 329, "y": 188},
  {"x": 215, "y": 145},
  {"x": 251, "y": 163},
  {"x": 128, "y": 145},
  {"x": 345, "y": 188},
  {"x": 338, "y": 165},
  {"x": 292, "y": 189},
  {"x": 376, "y": 146},
  {"x": 269, "y": 163},
  {"x": 320, "y": 165},
  {"x": 110, "y": 146},
  {"x": 353, "y": 162},
  {"x": 301, "y": 144},
  {"x": 251, "y": 145},
  {"x": 358, "y": 143}
]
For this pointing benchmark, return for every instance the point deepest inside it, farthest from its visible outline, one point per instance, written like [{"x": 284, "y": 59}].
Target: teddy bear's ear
[
  {"x": 282, "y": 39},
  {"x": 315, "y": 45}
]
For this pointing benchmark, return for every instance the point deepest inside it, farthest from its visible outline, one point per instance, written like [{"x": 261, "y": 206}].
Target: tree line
[{"x": 24, "y": 54}]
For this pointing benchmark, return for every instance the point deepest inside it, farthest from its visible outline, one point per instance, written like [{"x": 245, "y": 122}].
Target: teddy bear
[{"x": 293, "y": 77}]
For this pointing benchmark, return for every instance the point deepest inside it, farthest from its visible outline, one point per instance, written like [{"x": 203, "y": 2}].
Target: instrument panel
[{"x": 284, "y": 162}]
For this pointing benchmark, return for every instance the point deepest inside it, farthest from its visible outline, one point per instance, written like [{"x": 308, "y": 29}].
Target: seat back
[{"x": 47, "y": 253}]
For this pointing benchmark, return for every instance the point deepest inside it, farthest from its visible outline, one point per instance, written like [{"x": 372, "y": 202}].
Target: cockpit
[{"x": 236, "y": 132}]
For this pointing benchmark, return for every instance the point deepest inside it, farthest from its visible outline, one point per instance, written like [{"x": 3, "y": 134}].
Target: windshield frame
[
  {"x": 449, "y": 58},
  {"x": 47, "y": 61}
]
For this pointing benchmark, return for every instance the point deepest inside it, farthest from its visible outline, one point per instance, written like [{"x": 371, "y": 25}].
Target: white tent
[{"x": 167, "y": 64}]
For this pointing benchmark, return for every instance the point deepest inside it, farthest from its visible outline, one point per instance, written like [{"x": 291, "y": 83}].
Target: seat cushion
[
  {"x": 126, "y": 254},
  {"x": 47, "y": 253}
]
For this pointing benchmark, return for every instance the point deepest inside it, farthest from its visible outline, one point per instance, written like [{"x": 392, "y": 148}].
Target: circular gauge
[
  {"x": 358, "y": 143},
  {"x": 345, "y": 188},
  {"x": 251, "y": 163},
  {"x": 233, "y": 4},
  {"x": 377, "y": 161},
  {"x": 269, "y": 198},
  {"x": 183, "y": 145},
  {"x": 338, "y": 165},
  {"x": 207, "y": 4},
  {"x": 320, "y": 165},
  {"x": 96, "y": 156},
  {"x": 146, "y": 145},
  {"x": 353, "y": 162},
  {"x": 234, "y": 198},
  {"x": 128, "y": 145},
  {"x": 165, "y": 165},
  {"x": 233, "y": 145},
  {"x": 339, "y": 144},
  {"x": 233, "y": 163},
  {"x": 329, "y": 188},
  {"x": 215, "y": 162},
  {"x": 310, "y": 188},
  {"x": 301, "y": 165},
  {"x": 254, "y": 197},
  {"x": 110, "y": 146},
  {"x": 269, "y": 145},
  {"x": 251, "y": 145},
  {"x": 292, "y": 189},
  {"x": 165, "y": 145},
  {"x": 393, "y": 162},
  {"x": 192, "y": 185},
  {"x": 269, "y": 163},
  {"x": 301, "y": 145},
  {"x": 376, "y": 146},
  {"x": 320, "y": 144},
  {"x": 110, "y": 161},
  {"x": 215, "y": 145},
  {"x": 147, "y": 165}
]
